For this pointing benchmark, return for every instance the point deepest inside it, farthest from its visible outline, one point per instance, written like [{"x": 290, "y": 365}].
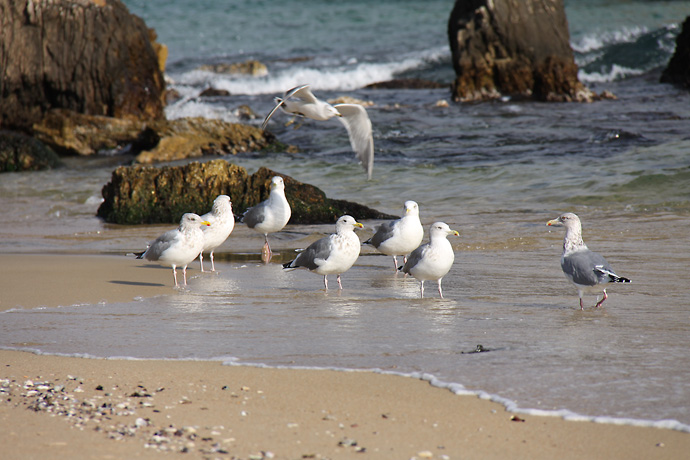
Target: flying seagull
[
  {"x": 587, "y": 270},
  {"x": 301, "y": 101},
  {"x": 179, "y": 246},
  {"x": 432, "y": 261},
  {"x": 333, "y": 254}
]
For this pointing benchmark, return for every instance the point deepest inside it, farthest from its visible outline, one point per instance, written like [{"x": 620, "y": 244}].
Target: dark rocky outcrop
[
  {"x": 89, "y": 56},
  {"x": 19, "y": 152},
  {"x": 678, "y": 69},
  {"x": 71, "y": 133},
  {"x": 145, "y": 194},
  {"x": 510, "y": 47}
]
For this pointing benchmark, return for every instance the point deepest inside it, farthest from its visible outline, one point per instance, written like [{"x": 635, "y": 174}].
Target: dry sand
[{"x": 58, "y": 407}]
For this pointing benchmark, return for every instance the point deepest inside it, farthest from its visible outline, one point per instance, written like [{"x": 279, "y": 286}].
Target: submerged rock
[
  {"x": 19, "y": 152},
  {"x": 503, "y": 47},
  {"x": 251, "y": 67},
  {"x": 678, "y": 69},
  {"x": 145, "y": 194}
]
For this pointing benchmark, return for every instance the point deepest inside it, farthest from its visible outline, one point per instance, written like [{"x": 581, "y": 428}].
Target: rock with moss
[
  {"x": 19, "y": 152},
  {"x": 145, "y": 194}
]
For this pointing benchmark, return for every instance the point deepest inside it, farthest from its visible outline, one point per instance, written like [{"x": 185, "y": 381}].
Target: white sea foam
[
  {"x": 598, "y": 40},
  {"x": 616, "y": 72}
]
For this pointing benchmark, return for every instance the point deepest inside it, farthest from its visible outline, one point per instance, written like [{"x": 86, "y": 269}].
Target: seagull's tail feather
[
  {"x": 140, "y": 255},
  {"x": 613, "y": 278},
  {"x": 288, "y": 265}
]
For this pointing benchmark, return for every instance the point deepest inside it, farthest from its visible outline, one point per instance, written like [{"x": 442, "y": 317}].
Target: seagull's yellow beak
[
  {"x": 454, "y": 232},
  {"x": 358, "y": 225},
  {"x": 205, "y": 222},
  {"x": 553, "y": 222}
]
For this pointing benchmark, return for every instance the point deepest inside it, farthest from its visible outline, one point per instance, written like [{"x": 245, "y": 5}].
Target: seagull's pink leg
[
  {"x": 175, "y": 275},
  {"x": 421, "y": 289},
  {"x": 340, "y": 285},
  {"x": 201, "y": 261},
  {"x": 440, "y": 291},
  {"x": 325, "y": 282},
  {"x": 602, "y": 300},
  {"x": 184, "y": 273},
  {"x": 582, "y": 308},
  {"x": 213, "y": 265},
  {"x": 395, "y": 264}
]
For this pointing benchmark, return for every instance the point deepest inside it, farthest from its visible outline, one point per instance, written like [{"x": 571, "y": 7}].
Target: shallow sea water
[{"x": 496, "y": 172}]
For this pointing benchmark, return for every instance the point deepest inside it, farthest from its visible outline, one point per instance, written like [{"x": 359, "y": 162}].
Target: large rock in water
[
  {"x": 678, "y": 69},
  {"x": 89, "y": 56},
  {"x": 145, "y": 194},
  {"x": 506, "y": 47}
]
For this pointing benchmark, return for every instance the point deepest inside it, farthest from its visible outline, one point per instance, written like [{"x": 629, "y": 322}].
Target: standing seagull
[
  {"x": 301, "y": 101},
  {"x": 222, "y": 222},
  {"x": 269, "y": 216},
  {"x": 587, "y": 270},
  {"x": 399, "y": 237},
  {"x": 333, "y": 254},
  {"x": 433, "y": 260},
  {"x": 179, "y": 246}
]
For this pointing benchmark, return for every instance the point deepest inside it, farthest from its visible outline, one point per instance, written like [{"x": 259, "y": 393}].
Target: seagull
[
  {"x": 333, "y": 254},
  {"x": 586, "y": 269},
  {"x": 179, "y": 246},
  {"x": 432, "y": 261},
  {"x": 301, "y": 101},
  {"x": 222, "y": 222},
  {"x": 401, "y": 236},
  {"x": 269, "y": 216}
]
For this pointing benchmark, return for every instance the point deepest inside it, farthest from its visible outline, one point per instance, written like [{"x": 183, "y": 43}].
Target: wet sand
[{"x": 59, "y": 407}]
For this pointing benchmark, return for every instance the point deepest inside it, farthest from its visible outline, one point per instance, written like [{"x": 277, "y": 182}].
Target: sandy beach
[{"x": 64, "y": 407}]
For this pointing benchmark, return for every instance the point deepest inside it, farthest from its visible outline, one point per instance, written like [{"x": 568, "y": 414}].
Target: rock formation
[
  {"x": 145, "y": 194},
  {"x": 19, "y": 152},
  {"x": 511, "y": 47},
  {"x": 89, "y": 56},
  {"x": 678, "y": 69}
]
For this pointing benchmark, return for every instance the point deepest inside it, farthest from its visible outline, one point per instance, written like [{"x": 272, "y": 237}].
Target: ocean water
[{"x": 494, "y": 171}]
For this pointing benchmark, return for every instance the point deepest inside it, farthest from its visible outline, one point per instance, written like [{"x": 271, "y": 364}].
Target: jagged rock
[
  {"x": 88, "y": 56},
  {"x": 250, "y": 67},
  {"x": 19, "y": 152},
  {"x": 214, "y": 92},
  {"x": 678, "y": 69},
  {"x": 505, "y": 47},
  {"x": 195, "y": 137},
  {"x": 72, "y": 133},
  {"x": 146, "y": 194}
]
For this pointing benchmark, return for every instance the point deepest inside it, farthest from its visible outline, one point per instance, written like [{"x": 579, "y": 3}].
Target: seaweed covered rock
[
  {"x": 678, "y": 69},
  {"x": 89, "y": 56},
  {"x": 19, "y": 152},
  {"x": 504, "y": 47},
  {"x": 145, "y": 194}
]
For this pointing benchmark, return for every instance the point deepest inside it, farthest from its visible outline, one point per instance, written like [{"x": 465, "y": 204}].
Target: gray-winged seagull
[
  {"x": 269, "y": 216},
  {"x": 432, "y": 261},
  {"x": 399, "y": 237},
  {"x": 178, "y": 247},
  {"x": 333, "y": 254},
  {"x": 222, "y": 222},
  {"x": 587, "y": 270}
]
